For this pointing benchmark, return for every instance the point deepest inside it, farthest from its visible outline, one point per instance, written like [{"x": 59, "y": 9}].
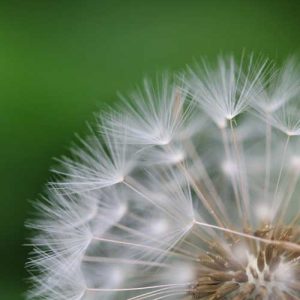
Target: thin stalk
[{"x": 286, "y": 245}]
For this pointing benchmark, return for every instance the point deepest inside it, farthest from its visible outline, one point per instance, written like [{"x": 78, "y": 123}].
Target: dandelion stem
[
  {"x": 148, "y": 294},
  {"x": 288, "y": 195},
  {"x": 137, "y": 188},
  {"x": 206, "y": 179},
  {"x": 135, "y": 289},
  {"x": 241, "y": 174},
  {"x": 232, "y": 178},
  {"x": 149, "y": 248},
  {"x": 268, "y": 157},
  {"x": 201, "y": 196},
  {"x": 281, "y": 169},
  {"x": 157, "y": 292},
  {"x": 114, "y": 260},
  {"x": 173, "y": 294},
  {"x": 283, "y": 244}
]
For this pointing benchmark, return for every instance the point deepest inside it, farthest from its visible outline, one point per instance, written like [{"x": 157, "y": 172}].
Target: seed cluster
[
  {"x": 188, "y": 190},
  {"x": 261, "y": 271}
]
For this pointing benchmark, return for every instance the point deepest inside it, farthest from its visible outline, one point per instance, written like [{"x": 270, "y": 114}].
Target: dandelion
[{"x": 182, "y": 193}]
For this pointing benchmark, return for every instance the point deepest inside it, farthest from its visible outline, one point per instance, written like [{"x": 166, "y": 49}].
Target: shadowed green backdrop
[{"x": 60, "y": 61}]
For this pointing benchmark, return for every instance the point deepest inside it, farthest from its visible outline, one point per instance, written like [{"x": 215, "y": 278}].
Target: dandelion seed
[
  {"x": 153, "y": 115},
  {"x": 226, "y": 91},
  {"x": 159, "y": 203},
  {"x": 278, "y": 87}
]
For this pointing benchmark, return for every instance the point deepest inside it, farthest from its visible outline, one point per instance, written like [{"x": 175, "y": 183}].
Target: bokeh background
[{"x": 60, "y": 61}]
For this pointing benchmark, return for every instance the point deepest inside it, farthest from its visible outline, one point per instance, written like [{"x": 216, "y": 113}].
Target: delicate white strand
[
  {"x": 149, "y": 248},
  {"x": 268, "y": 155},
  {"x": 148, "y": 294},
  {"x": 135, "y": 289},
  {"x": 242, "y": 181},
  {"x": 286, "y": 245},
  {"x": 173, "y": 294},
  {"x": 160, "y": 292},
  {"x": 131, "y": 184},
  {"x": 122, "y": 261},
  {"x": 288, "y": 195},
  {"x": 281, "y": 168},
  {"x": 207, "y": 180},
  {"x": 232, "y": 179}
]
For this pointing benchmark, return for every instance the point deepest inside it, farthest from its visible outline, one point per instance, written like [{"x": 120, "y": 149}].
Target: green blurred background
[{"x": 62, "y": 60}]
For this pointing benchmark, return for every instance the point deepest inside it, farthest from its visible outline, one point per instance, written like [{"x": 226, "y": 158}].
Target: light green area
[{"x": 62, "y": 60}]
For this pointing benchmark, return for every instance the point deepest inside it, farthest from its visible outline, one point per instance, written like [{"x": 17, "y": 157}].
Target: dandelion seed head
[{"x": 189, "y": 190}]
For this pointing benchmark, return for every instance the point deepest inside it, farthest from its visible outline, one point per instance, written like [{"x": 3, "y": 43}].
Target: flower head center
[{"x": 248, "y": 269}]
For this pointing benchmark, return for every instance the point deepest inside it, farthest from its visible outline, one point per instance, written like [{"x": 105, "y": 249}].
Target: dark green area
[{"x": 62, "y": 60}]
